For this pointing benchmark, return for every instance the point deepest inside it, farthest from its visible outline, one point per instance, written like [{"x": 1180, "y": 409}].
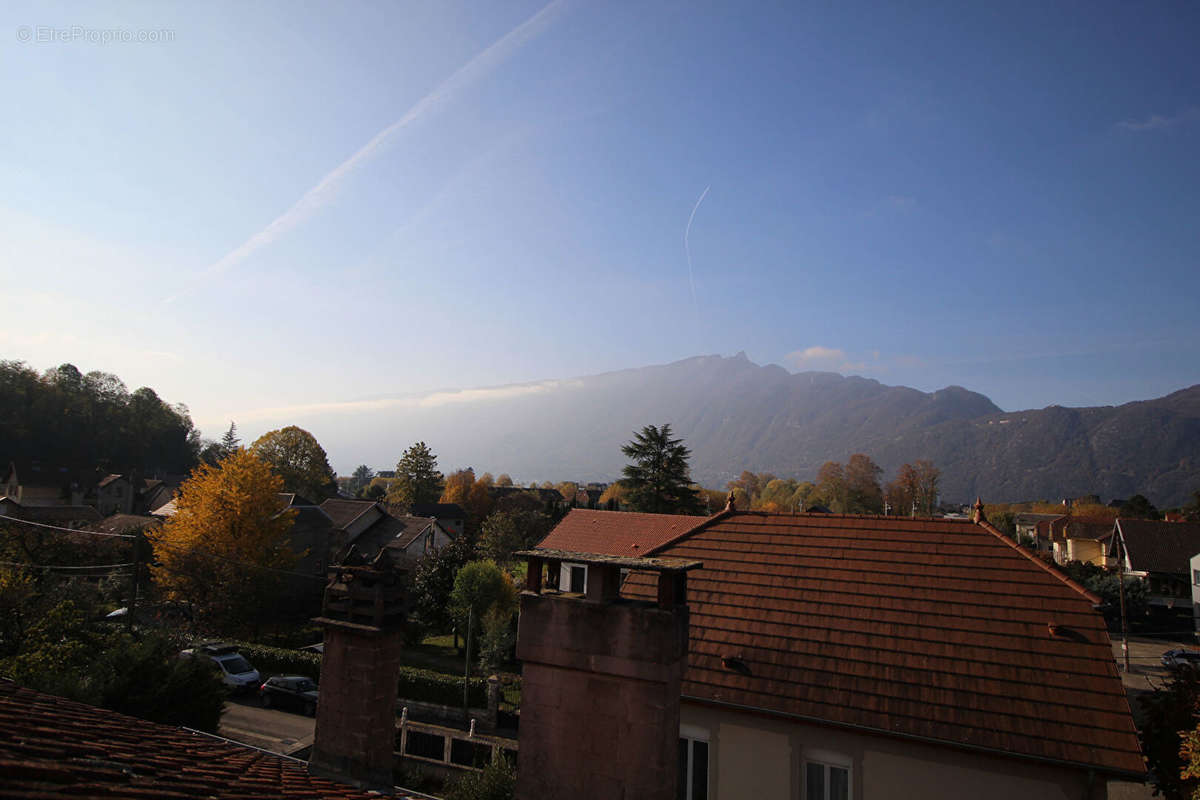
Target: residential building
[
  {"x": 1026, "y": 528},
  {"x": 371, "y": 527},
  {"x": 1159, "y": 553},
  {"x": 1068, "y": 538},
  {"x": 839, "y": 656},
  {"x": 450, "y": 516},
  {"x": 76, "y": 516},
  {"x": 611, "y": 533}
]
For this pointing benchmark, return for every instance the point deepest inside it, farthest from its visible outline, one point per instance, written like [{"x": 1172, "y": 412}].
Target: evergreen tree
[
  {"x": 657, "y": 481},
  {"x": 417, "y": 477},
  {"x": 360, "y": 479},
  {"x": 230, "y": 441}
]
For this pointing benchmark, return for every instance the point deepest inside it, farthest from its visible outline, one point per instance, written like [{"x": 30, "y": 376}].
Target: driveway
[{"x": 267, "y": 728}]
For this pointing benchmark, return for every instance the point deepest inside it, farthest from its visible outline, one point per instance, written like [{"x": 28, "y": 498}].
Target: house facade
[{"x": 841, "y": 657}]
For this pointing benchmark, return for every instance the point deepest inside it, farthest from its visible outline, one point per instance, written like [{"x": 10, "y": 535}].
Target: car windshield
[
  {"x": 305, "y": 685},
  {"x": 236, "y": 665}
]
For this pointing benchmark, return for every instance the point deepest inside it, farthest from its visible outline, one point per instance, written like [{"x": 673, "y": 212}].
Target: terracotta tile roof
[
  {"x": 59, "y": 515},
  {"x": 344, "y": 512},
  {"x": 52, "y": 747},
  {"x": 1096, "y": 530},
  {"x": 390, "y": 531},
  {"x": 124, "y": 523},
  {"x": 1155, "y": 546},
  {"x": 439, "y": 510},
  {"x": 616, "y": 533},
  {"x": 933, "y": 629}
]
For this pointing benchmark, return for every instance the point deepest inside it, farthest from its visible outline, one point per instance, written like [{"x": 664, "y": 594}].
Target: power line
[
  {"x": 204, "y": 554},
  {"x": 66, "y": 566},
  {"x": 67, "y": 530}
]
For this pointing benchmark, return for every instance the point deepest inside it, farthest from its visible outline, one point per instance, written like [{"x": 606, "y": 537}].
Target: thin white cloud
[
  {"x": 426, "y": 401},
  {"x": 816, "y": 357},
  {"x": 1158, "y": 122},
  {"x": 321, "y": 194}
]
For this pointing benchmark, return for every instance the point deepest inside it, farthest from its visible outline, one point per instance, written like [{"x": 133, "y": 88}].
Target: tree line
[{"x": 65, "y": 418}]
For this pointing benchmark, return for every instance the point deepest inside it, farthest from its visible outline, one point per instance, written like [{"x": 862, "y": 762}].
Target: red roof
[
  {"x": 933, "y": 629},
  {"x": 616, "y": 533},
  {"x": 52, "y": 747}
]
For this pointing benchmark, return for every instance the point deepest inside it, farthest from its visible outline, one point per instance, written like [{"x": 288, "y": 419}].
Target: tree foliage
[
  {"x": 360, "y": 479},
  {"x": 1169, "y": 721},
  {"x": 72, "y": 420},
  {"x": 481, "y": 587},
  {"x": 497, "y": 781},
  {"x": 295, "y": 456},
  {"x": 433, "y": 582},
  {"x": 915, "y": 489},
  {"x": 218, "y": 552},
  {"x": 658, "y": 479},
  {"x": 138, "y": 673},
  {"x": 505, "y": 532},
  {"x": 417, "y": 477}
]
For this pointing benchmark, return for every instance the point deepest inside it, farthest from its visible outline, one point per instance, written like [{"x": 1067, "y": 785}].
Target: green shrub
[
  {"x": 425, "y": 686},
  {"x": 497, "y": 781},
  {"x": 421, "y": 685}
]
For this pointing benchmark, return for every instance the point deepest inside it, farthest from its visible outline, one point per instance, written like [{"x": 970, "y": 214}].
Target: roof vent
[{"x": 735, "y": 664}]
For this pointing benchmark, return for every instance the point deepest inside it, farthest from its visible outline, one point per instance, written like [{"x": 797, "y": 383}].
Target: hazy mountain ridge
[{"x": 737, "y": 415}]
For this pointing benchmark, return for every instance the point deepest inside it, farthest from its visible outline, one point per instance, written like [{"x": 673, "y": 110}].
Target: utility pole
[
  {"x": 138, "y": 546},
  {"x": 1121, "y": 585},
  {"x": 467, "y": 665}
]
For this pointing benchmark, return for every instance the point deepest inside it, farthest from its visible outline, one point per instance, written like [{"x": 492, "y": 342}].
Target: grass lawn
[{"x": 436, "y": 653}]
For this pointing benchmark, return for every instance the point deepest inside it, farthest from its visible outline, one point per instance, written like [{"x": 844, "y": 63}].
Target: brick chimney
[
  {"x": 363, "y": 614},
  {"x": 601, "y": 679}
]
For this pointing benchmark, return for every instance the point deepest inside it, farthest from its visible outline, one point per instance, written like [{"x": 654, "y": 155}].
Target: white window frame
[
  {"x": 692, "y": 734},
  {"x": 827, "y": 759},
  {"x": 564, "y": 584}
]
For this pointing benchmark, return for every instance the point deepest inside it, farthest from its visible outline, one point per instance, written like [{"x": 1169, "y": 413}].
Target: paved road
[{"x": 278, "y": 731}]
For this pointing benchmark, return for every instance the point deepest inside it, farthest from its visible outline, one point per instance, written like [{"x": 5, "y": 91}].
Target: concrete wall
[{"x": 757, "y": 756}]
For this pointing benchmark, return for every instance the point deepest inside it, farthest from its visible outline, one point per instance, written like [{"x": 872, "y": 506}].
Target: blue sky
[{"x": 277, "y": 205}]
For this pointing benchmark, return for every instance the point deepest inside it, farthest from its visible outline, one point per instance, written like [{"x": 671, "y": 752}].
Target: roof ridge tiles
[{"x": 987, "y": 526}]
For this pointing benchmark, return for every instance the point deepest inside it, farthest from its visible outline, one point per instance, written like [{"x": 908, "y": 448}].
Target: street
[{"x": 278, "y": 731}]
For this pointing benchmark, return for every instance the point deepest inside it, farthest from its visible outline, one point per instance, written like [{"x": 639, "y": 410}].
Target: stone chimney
[
  {"x": 601, "y": 681},
  {"x": 363, "y": 614}
]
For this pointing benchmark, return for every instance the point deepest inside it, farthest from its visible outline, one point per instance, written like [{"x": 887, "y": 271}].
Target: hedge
[{"x": 422, "y": 685}]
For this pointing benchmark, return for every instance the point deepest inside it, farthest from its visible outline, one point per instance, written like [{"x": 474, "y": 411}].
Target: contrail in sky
[
  {"x": 688, "y": 250},
  {"x": 320, "y": 195}
]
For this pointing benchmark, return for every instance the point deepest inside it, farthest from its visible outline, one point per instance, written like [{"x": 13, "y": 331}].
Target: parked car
[
  {"x": 294, "y": 692},
  {"x": 236, "y": 672},
  {"x": 1179, "y": 657}
]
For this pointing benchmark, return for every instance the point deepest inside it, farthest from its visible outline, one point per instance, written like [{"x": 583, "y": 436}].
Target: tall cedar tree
[
  {"x": 230, "y": 440},
  {"x": 219, "y": 550},
  {"x": 417, "y": 477},
  {"x": 658, "y": 479},
  {"x": 296, "y": 456}
]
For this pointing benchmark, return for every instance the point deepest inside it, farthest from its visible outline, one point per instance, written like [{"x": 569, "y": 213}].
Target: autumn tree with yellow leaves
[{"x": 223, "y": 551}]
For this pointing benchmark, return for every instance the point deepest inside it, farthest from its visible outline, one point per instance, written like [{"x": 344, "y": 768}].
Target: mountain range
[{"x": 736, "y": 415}]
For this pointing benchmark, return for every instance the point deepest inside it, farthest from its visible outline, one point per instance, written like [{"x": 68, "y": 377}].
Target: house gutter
[{"x": 1091, "y": 768}]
